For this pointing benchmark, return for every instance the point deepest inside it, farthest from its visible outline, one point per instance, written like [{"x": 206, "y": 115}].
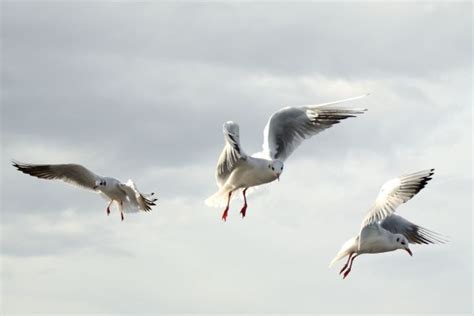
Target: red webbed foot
[
  {"x": 224, "y": 215},
  {"x": 243, "y": 211}
]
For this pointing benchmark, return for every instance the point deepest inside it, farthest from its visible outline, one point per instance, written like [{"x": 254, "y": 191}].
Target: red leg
[
  {"x": 347, "y": 263},
  {"x": 244, "y": 209},
  {"x": 350, "y": 267},
  {"x": 108, "y": 207},
  {"x": 224, "y": 215}
]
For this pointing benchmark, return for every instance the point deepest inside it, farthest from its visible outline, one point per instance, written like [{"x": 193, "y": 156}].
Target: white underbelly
[{"x": 249, "y": 177}]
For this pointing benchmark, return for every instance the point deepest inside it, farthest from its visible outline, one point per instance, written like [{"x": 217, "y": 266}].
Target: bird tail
[
  {"x": 219, "y": 198},
  {"x": 346, "y": 249}
]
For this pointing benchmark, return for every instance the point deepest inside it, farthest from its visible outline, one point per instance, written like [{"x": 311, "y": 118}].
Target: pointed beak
[
  {"x": 409, "y": 251},
  {"x": 278, "y": 176},
  {"x": 95, "y": 187}
]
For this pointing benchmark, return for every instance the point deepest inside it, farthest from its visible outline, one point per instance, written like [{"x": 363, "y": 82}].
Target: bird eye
[
  {"x": 273, "y": 168},
  {"x": 398, "y": 239}
]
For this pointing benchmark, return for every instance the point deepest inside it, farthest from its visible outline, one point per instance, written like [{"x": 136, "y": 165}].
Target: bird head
[
  {"x": 276, "y": 166},
  {"x": 402, "y": 243},
  {"x": 99, "y": 184}
]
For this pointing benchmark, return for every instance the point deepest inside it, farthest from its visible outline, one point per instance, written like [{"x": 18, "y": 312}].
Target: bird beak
[
  {"x": 95, "y": 187},
  {"x": 278, "y": 176},
  {"x": 409, "y": 251}
]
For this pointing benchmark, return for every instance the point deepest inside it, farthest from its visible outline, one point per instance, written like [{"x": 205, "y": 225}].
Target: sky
[{"x": 141, "y": 90}]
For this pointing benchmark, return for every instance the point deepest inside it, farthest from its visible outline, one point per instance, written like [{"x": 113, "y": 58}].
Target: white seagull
[
  {"x": 382, "y": 230},
  {"x": 285, "y": 130},
  {"x": 127, "y": 196}
]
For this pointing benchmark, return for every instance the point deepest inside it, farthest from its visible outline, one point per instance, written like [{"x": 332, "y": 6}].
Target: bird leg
[
  {"x": 347, "y": 263},
  {"x": 108, "y": 207},
  {"x": 121, "y": 210},
  {"x": 350, "y": 267},
  {"x": 224, "y": 215},
  {"x": 244, "y": 208}
]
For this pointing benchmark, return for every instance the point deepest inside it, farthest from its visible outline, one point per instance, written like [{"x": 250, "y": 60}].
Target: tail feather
[
  {"x": 219, "y": 198},
  {"x": 348, "y": 247},
  {"x": 338, "y": 257}
]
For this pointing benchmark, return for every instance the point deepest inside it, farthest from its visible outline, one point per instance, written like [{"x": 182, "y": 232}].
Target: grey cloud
[{"x": 344, "y": 39}]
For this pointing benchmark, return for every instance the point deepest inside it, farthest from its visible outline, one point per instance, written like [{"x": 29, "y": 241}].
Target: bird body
[
  {"x": 126, "y": 195},
  {"x": 382, "y": 230},
  {"x": 285, "y": 131}
]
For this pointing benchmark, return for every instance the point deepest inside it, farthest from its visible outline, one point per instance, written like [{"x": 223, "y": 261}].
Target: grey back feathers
[{"x": 415, "y": 234}]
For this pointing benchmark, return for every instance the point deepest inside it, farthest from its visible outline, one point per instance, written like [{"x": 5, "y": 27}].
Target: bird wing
[
  {"x": 396, "y": 192},
  {"x": 136, "y": 200},
  {"x": 287, "y": 128},
  {"x": 70, "y": 173},
  {"x": 414, "y": 233},
  {"x": 231, "y": 154},
  {"x": 392, "y": 194}
]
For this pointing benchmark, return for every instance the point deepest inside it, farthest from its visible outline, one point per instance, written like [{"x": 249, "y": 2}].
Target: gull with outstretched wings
[
  {"x": 126, "y": 195},
  {"x": 382, "y": 230},
  {"x": 284, "y": 132}
]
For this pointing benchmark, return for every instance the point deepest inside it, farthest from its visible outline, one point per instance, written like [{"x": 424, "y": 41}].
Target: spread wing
[
  {"x": 70, "y": 173},
  {"x": 231, "y": 154},
  {"x": 287, "y": 128},
  {"x": 396, "y": 192},
  {"x": 135, "y": 199},
  {"x": 414, "y": 233}
]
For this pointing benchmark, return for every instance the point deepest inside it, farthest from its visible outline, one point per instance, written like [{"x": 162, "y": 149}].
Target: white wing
[
  {"x": 136, "y": 201},
  {"x": 288, "y": 127},
  {"x": 70, "y": 173},
  {"x": 231, "y": 154},
  {"x": 414, "y": 233},
  {"x": 396, "y": 192}
]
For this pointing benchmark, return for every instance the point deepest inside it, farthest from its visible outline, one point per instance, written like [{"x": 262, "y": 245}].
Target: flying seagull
[
  {"x": 382, "y": 230},
  {"x": 285, "y": 131},
  {"x": 126, "y": 195}
]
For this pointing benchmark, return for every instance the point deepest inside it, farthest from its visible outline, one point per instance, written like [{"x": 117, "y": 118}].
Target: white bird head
[
  {"x": 401, "y": 242},
  {"x": 100, "y": 184},
  {"x": 276, "y": 166}
]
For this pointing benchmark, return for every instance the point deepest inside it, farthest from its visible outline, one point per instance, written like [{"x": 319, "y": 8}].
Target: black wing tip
[
  {"x": 23, "y": 167},
  {"x": 17, "y": 164},
  {"x": 433, "y": 237}
]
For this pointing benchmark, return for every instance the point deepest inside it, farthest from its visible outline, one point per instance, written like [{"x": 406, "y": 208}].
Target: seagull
[
  {"x": 382, "y": 230},
  {"x": 126, "y": 195},
  {"x": 285, "y": 131}
]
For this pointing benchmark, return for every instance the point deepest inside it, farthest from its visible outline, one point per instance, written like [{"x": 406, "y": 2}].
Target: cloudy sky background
[{"x": 141, "y": 91}]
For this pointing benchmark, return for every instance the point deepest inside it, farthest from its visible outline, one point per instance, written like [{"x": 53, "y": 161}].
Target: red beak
[{"x": 409, "y": 251}]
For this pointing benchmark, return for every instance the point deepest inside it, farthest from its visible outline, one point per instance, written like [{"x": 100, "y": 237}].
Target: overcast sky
[{"x": 141, "y": 91}]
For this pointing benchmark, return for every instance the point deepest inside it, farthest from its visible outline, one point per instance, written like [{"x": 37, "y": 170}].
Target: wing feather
[
  {"x": 287, "y": 128},
  {"x": 70, "y": 173},
  {"x": 136, "y": 200},
  {"x": 414, "y": 233},
  {"x": 231, "y": 154},
  {"x": 396, "y": 192}
]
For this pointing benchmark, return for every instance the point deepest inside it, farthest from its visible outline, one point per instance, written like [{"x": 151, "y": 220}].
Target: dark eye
[
  {"x": 273, "y": 168},
  {"x": 403, "y": 243},
  {"x": 398, "y": 239}
]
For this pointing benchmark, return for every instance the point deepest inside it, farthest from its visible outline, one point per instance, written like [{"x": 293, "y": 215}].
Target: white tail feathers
[
  {"x": 218, "y": 199},
  {"x": 338, "y": 257},
  {"x": 349, "y": 247}
]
